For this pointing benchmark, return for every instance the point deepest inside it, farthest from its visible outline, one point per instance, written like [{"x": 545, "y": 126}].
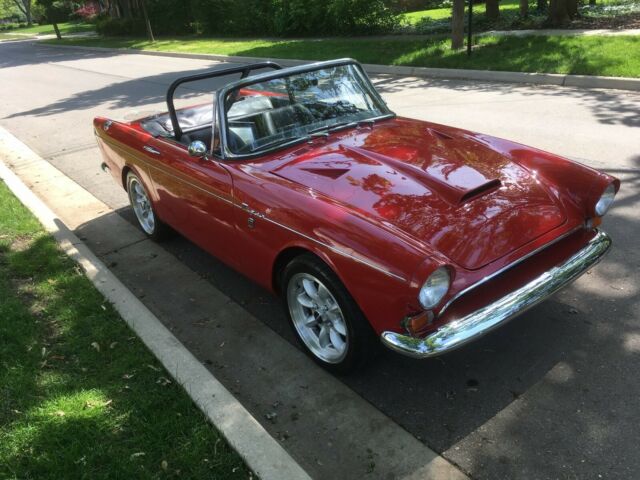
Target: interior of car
[{"x": 250, "y": 118}]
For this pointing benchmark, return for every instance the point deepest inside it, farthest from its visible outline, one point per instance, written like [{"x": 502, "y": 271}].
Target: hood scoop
[
  {"x": 481, "y": 189},
  {"x": 456, "y": 183}
]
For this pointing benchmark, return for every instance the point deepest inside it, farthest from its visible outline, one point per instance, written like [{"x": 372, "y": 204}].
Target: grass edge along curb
[{"x": 557, "y": 79}]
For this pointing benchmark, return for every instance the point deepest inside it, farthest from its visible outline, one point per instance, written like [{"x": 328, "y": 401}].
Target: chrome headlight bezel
[
  {"x": 434, "y": 288},
  {"x": 605, "y": 201}
]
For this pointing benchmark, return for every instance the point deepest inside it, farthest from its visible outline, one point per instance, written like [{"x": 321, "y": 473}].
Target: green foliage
[
  {"x": 10, "y": 11},
  {"x": 259, "y": 17},
  {"x": 11, "y": 26},
  {"x": 56, "y": 11},
  {"x": 119, "y": 27},
  {"x": 169, "y": 17}
]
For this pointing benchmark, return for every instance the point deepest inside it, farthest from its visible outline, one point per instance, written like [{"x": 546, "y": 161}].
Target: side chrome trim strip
[
  {"x": 336, "y": 250},
  {"x": 506, "y": 267},
  {"x": 149, "y": 164},
  {"x": 459, "y": 332}
]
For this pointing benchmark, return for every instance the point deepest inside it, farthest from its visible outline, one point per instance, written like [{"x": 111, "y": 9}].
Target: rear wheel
[
  {"x": 326, "y": 320},
  {"x": 143, "y": 208}
]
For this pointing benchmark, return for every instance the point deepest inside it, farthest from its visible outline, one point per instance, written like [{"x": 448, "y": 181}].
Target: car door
[{"x": 194, "y": 196}]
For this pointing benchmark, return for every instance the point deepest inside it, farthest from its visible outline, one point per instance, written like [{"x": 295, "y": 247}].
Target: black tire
[
  {"x": 158, "y": 230},
  {"x": 362, "y": 344}
]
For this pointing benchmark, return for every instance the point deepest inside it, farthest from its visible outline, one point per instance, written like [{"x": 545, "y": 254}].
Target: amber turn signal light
[
  {"x": 415, "y": 324},
  {"x": 593, "y": 222}
]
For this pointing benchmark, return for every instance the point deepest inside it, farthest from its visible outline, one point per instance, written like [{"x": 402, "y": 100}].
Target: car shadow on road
[
  {"x": 609, "y": 107},
  {"x": 122, "y": 93}
]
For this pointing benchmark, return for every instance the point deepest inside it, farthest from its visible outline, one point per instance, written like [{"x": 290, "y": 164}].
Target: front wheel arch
[{"x": 288, "y": 254}]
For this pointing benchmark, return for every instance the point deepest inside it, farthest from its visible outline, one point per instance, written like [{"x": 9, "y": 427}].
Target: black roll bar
[{"x": 244, "y": 69}]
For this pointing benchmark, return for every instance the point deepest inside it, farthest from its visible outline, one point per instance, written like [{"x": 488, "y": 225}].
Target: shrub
[
  {"x": 294, "y": 17},
  {"x": 259, "y": 17},
  {"x": 170, "y": 17},
  {"x": 85, "y": 13},
  {"x": 120, "y": 27}
]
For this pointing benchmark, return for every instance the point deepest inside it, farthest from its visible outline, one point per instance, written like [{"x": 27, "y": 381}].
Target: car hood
[{"x": 440, "y": 185}]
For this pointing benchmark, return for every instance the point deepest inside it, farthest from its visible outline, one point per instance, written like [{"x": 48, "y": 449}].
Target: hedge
[{"x": 259, "y": 17}]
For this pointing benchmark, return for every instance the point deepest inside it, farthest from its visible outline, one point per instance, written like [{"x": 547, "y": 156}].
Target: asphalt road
[{"x": 551, "y": 395}]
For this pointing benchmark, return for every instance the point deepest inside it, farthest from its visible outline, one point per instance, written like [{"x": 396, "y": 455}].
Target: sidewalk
[{"x": 561, "y": 32}]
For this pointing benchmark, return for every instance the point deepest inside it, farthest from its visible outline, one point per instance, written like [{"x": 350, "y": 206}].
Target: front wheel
[{"x": 324, "y": 316}]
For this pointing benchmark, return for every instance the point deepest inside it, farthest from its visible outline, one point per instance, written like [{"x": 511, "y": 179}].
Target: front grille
[{"x": 517, "y": 276}]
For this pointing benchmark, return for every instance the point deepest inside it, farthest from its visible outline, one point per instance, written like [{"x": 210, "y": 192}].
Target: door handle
[{"x": 151, "y": 150}]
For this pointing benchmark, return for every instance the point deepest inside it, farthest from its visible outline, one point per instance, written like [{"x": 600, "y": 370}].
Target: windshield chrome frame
[{"x": 226, "y": 154}]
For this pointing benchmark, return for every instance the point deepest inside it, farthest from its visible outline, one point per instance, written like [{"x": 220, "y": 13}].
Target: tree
[
  {"x": 146, "y": 21},
  {"x": 558, "y": 13},
  {"x": 52, "y": 15},
  {"x": 25, "y": 7},
  {"x": 524, "y": 8},
  {"x": 457, "y": 24},
  {"x": 493, "y": 9}
]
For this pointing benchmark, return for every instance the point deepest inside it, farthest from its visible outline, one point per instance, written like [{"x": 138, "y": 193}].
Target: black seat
[
  {"x": 279, "y": 119},
  {"x": 204, "y": 135}
]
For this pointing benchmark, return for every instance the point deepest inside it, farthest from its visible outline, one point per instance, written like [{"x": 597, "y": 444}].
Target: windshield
[{"x": 292, "y": 108}]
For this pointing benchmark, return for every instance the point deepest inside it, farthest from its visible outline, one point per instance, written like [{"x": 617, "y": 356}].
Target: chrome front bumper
[{"x": 464, "y": 330}]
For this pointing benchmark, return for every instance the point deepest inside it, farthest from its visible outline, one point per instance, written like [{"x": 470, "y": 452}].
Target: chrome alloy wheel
[
  {"x": 141, "y": 206},
  {"x": 317, "y": 318}
]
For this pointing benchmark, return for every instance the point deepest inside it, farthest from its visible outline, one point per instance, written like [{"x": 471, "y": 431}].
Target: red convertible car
[{"x": 370, "y": 226}]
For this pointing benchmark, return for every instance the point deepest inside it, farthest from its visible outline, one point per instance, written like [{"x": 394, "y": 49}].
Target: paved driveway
[{"x": 553, "y": 394}]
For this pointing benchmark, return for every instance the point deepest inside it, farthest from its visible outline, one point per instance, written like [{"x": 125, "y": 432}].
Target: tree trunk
[
  {"x": 558, "y": 14},
  {"x": 457, "y": 25},
  {"x": 146, "y": 21},
  {"x": 126, "y": 10},
  {"x": 27, "y": 7},
  {"x": 57, "y": 30},
  {"x": 572, "y": 8},
  {"x": 493, "y": 9},
  {"x": 524, "y": 8}
]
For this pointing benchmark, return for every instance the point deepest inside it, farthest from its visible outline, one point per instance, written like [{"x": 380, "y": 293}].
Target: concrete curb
[
  {"x": 582, "y": 81},
  {"x": 262, "y": 453}
]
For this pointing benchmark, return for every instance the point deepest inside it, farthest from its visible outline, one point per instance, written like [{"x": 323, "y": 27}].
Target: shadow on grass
[{"x": 81, "y": 396}]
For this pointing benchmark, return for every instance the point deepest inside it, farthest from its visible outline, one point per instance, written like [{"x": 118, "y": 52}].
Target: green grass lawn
[
  {"x": 416, "y": 17},
  {"x": 80, "y": 395},
  {"x": 9, "y": 36},
  {"x": 445, "y": 13},
  {"x": 68, "y": 27},
  {"x": 586, "y": 55}
]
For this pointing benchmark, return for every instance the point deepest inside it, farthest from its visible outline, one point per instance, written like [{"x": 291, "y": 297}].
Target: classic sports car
[{"x": 368, "y": 225}]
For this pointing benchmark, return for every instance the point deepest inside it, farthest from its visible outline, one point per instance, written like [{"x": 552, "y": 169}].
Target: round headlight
[
  {"x": 605, "y": 201},
  {"x": 434, "y": 288}
]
